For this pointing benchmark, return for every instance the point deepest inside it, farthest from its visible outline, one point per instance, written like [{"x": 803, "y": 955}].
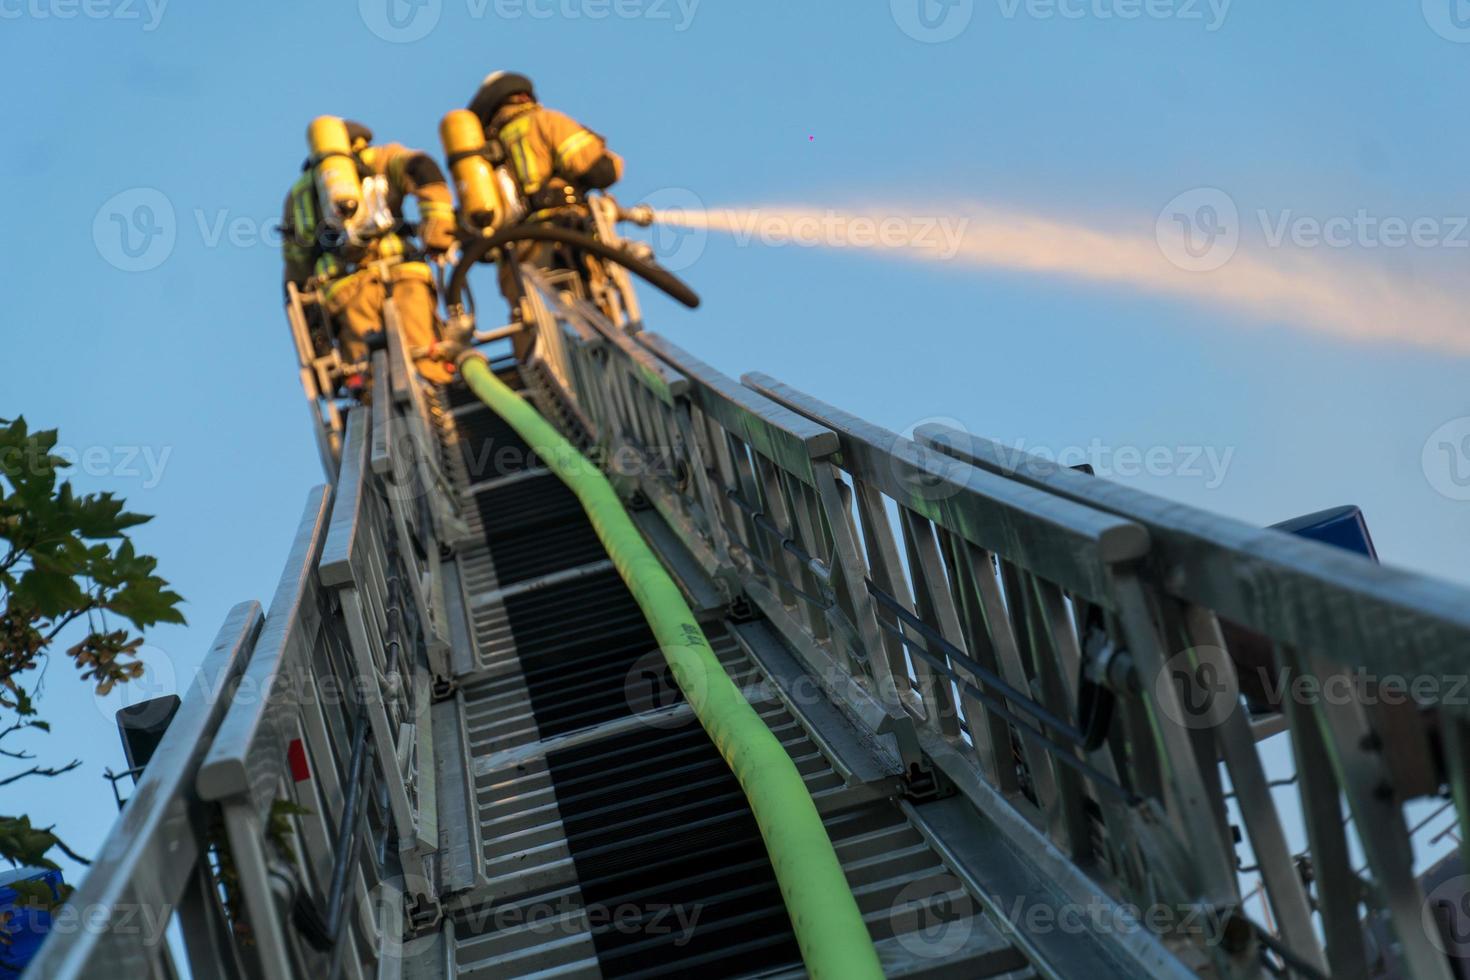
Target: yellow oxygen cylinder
[
  {"x": 338, "y": 185},
  {"x": 480, "y": 206}
]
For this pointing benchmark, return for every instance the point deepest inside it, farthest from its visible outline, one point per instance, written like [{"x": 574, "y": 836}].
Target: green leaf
[
  {"x": 50, "y": 592},
  {"x": 66, "y": 554},
  {"x": 22, "y": 844}
]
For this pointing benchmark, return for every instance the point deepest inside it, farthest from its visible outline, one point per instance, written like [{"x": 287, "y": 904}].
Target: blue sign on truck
[{"x": 24, "y": 922}]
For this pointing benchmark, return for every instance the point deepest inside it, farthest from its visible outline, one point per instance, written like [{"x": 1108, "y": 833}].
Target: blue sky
[{"x": 1094, "y": 112}]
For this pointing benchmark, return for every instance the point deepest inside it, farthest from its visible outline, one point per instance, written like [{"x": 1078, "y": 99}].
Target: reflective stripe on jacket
[{"x": 544, "y": 145}]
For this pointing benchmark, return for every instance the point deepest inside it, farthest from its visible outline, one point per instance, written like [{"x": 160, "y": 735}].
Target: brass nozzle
[{"x": 640, "y": 214}]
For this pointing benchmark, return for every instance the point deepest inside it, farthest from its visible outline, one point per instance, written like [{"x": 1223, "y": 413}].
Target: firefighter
[
  {"x": 348, "y": 266},
  {"x": 556, "y": 160}
]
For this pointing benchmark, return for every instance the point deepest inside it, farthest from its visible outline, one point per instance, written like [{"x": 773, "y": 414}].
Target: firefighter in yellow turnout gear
[
  {"x": 556, "y": 160},
  {"x": 345, "y": 244}
]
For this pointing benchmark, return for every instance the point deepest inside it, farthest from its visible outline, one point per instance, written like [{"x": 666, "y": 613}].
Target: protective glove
[{"x": 437, "y": 232}]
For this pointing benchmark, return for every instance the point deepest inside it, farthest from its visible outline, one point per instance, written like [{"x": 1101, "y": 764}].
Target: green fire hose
[{"x": 834, "y": 941}]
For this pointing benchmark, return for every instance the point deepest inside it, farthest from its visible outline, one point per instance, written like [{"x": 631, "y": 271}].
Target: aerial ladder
[{"x": 602, "y": 663}]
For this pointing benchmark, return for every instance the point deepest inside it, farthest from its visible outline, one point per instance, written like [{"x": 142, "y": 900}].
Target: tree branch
[
  {"x": 61, "y": 845},
  {"x": 41, "y": 771},
  {"x": 67, "y": 620}
]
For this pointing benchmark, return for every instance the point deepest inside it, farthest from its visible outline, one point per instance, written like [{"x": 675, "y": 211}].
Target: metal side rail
[{"x": 289, "y": 820}]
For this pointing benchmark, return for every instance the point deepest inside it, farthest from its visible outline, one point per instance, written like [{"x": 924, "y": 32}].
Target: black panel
[
  {"x": 577, "y": 643},
  {"x": 656, "y": 822}
]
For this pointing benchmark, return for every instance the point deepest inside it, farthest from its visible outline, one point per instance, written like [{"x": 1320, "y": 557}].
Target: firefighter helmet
[
  {"x": 359, "y": 134},
  {"x": 495, "y": 89}
]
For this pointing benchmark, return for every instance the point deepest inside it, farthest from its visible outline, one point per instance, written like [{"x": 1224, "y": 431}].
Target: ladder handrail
[
  {"x": 1333, "y": 602},
  {"x": 155, "y": 853}
]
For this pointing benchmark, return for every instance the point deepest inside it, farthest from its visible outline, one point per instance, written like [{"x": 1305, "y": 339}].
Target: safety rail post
[
  {"x": 549, "y": 347},
  {"x": 154, "y": 864},
  {"x": 742, "y": 456},
  {"x": 279, "y": 769},
  {"x": 771, "y": 487},
  {"x": 993, "y": 584},
  {"x": 1327, "y": 616},
  {"x": 628, "y": 314},
  {"x": 421, "y": 498},
  {"x": 641, "y": 417},
  {"x": 363, "y": 563},
  {"x": 316, "y": 382}
]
